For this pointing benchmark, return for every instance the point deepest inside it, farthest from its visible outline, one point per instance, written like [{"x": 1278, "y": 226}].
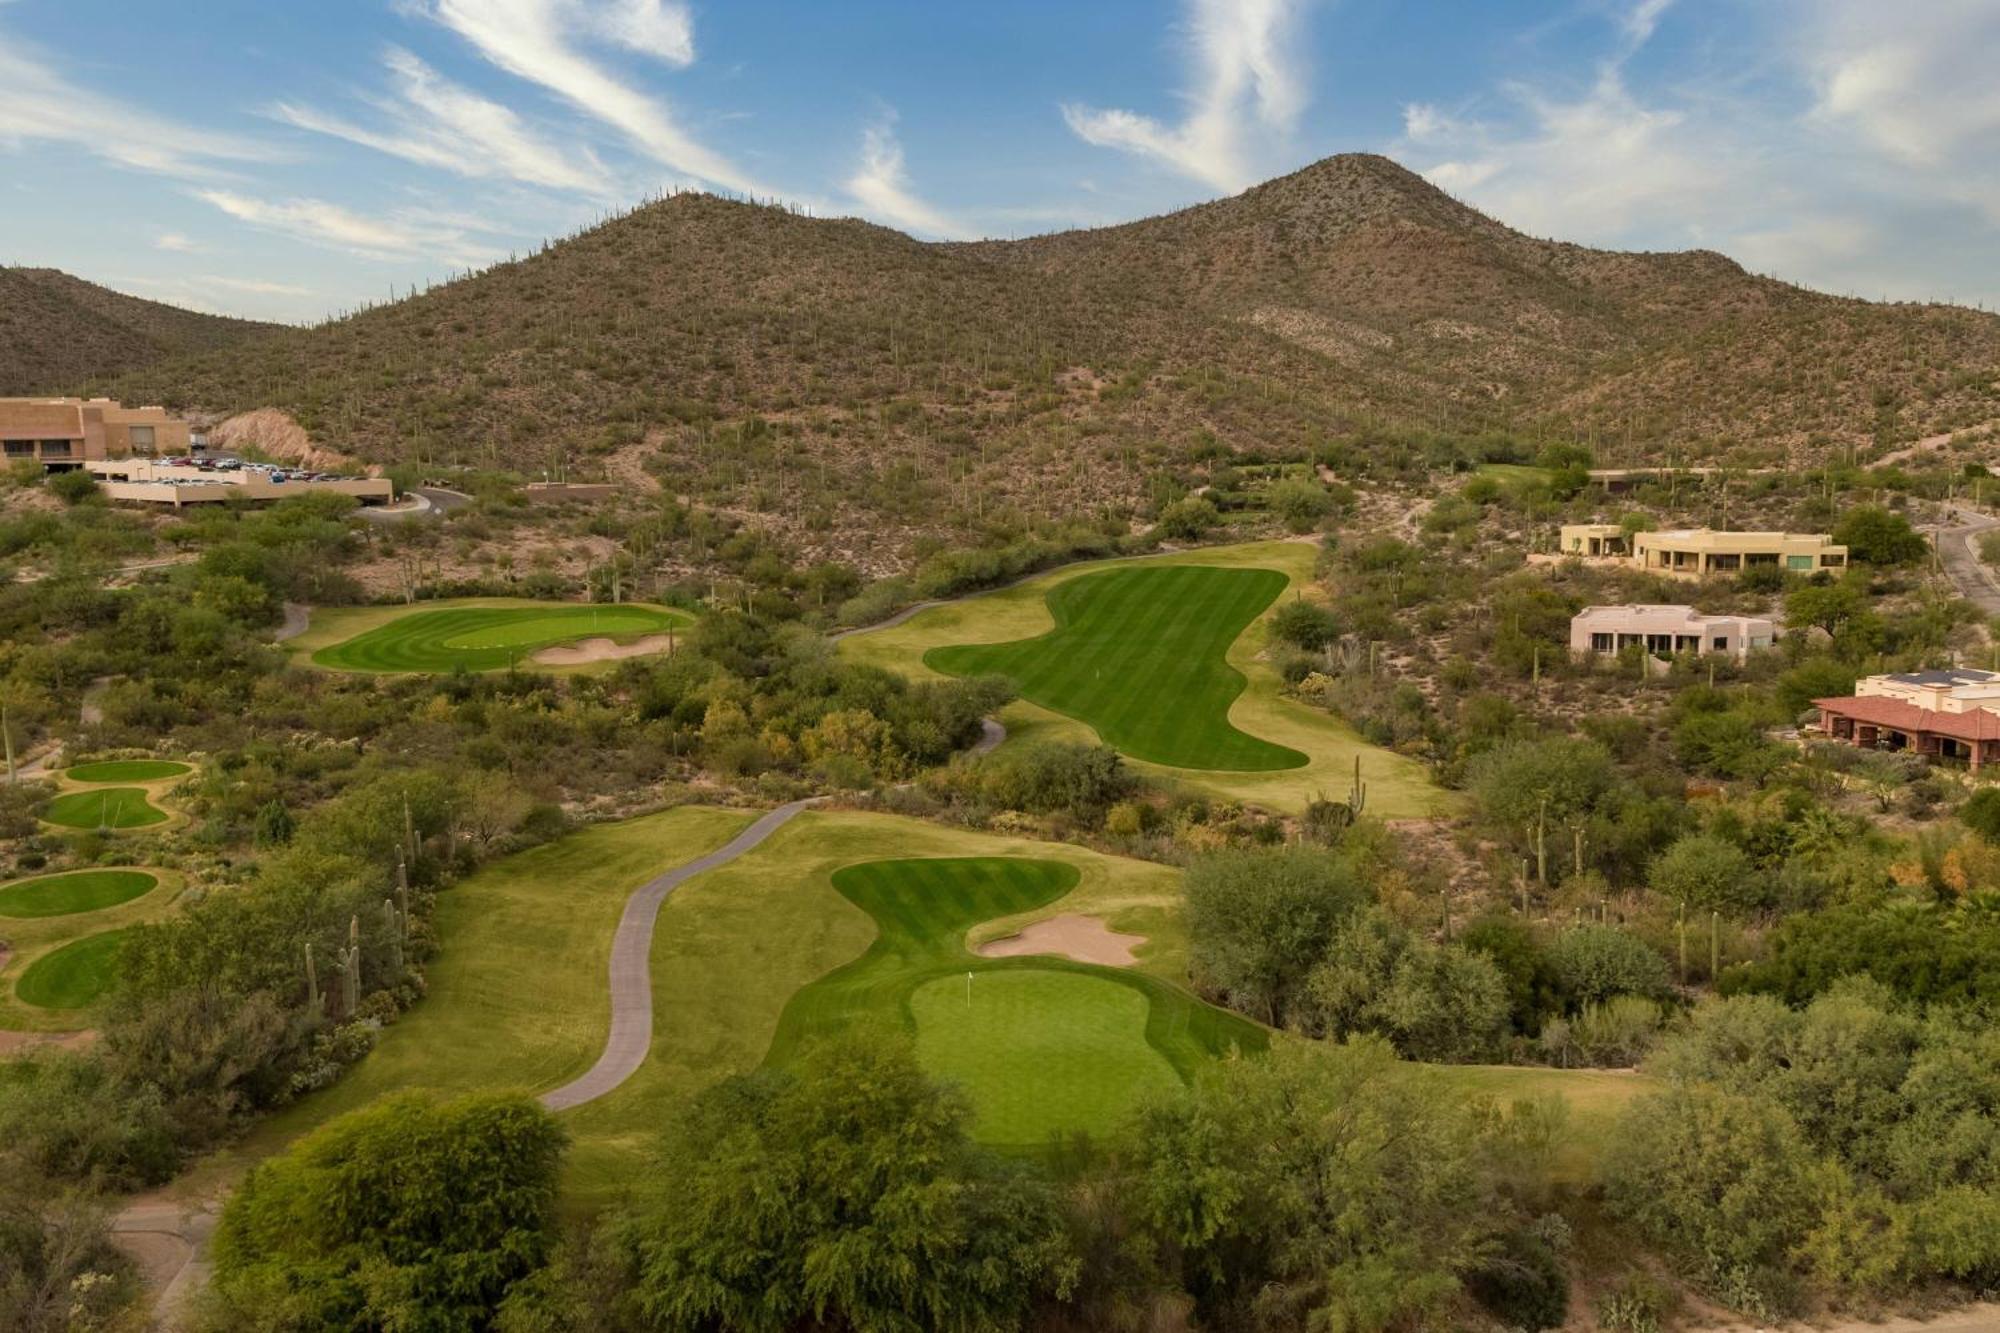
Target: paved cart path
[{"x": 631, "y": 967}]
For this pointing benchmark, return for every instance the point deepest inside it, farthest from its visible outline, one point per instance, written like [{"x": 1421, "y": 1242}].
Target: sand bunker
[
  {"x": 602, "y": 650},
  {"x": 1083, "y": 938}
]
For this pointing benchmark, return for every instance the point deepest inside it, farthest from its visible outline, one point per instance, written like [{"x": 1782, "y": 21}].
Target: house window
[
  {"x": 1721, "y": 643},
  {"x": 1832, "y": 561},
  {"x": 1601, "y": 643},
  {"x": 1802, "y": 562},
  {"x": 20, "y": 448},
  {"x": 55, "y": 448},
  {"x": 142, "y": 439}
]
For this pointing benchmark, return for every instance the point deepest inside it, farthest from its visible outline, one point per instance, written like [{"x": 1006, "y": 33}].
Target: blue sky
[{"x": 288, "y": 158}]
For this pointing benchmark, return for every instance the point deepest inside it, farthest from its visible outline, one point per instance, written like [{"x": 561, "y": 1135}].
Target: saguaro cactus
[
  {"x": 312, "y": 979},
  {"x": 1357, "y": 795},
  {"x": 393, "y": 924}
]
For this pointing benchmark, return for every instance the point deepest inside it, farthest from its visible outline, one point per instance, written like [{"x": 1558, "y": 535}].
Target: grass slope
[
  {"x": 104, "y": 807},
  {"x": 126, "y": 770},
  {"x": 79, "y": 891},
  {"x": 1140, "y": 654},
  {"x": 517, "y": 998},
  {"x": 488, "y": 638},
  {"x": 74, "y": 976},
  {"x": 1103, "y": 1037},
  {"x": 1398, "y": 786}
]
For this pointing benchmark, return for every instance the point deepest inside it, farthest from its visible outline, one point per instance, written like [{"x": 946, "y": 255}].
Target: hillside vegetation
[
  {"x": 828, "y": 373},
  {"x": 57, "y": 331}
]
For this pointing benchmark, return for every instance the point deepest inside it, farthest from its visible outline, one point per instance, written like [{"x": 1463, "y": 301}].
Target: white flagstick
[{"x": 968, "y": 990}]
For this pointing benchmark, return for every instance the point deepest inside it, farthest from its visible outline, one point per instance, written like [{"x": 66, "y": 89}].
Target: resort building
[
  {"x": 1594, "y": 539},
  {"x": 1698, "y": 552},
  {"x": 1663, "y": 629},
  {"x": 1945, "y": 714},
  {"x": 62, "y": 434}
]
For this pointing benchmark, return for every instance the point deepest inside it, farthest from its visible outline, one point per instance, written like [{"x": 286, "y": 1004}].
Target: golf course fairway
[
  {"x": 481, "y": 637},
  {"x": 1042, "y": 1046},
  {"x": 74, "y": 976},
  {"x": 1140, "y": 654}
]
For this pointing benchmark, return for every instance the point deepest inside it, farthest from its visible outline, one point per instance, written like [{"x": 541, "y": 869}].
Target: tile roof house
[{"x": 1941, "y": 714}]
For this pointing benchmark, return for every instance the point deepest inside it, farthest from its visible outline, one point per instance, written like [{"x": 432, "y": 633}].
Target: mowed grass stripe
[
  {"x": 1140, "y": 654},
  {"x": 1064, "y": 1047},
  {"x": 489, "y": 638}
]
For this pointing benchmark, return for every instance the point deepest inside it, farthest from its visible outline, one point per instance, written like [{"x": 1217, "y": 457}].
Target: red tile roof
[{"x": 1975, "y": 725}]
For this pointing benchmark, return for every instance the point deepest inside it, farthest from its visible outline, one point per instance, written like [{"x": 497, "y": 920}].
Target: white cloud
[
  {"x": 438, "y": 123},
  {"x": 174, "y": 241},
  {"x": 1246, "y": 83},
  {"x": 535, "y": 40},
  {"x": 882, "y": 188},
  {"x": 409, "y": 234},
  {"x": 39, "y": 105},
  {"x": 1916, "y": 84},
  {"x": 659, "y": 28},
  {"x": 254, "y": 286}
]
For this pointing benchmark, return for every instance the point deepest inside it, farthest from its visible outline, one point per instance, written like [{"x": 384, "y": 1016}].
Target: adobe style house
[
  {"x": 1699, "y": 552},
  {"x": 62, "y": 434},
  {"x": 1663, "y": 629},
  {"x": 1593, "y": 539},
  {"x": 1946, "y": 714}
]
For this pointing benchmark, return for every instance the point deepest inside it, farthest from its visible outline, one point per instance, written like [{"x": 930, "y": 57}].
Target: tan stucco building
[
  {"x": 1663, "y": 629},
  {"x": 1697, "y": 552},
  {"x": 65, "y": 433}
]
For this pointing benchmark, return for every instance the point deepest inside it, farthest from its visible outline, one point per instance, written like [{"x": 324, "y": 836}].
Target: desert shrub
[{"x": 1593, "y": 963}]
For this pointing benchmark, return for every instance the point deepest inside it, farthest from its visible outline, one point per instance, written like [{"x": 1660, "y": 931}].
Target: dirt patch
[
  {"x": 26, "y": 1043},
  {"x": 1086, "y": 939},
  {"x": 602, "y": 650},
  {"x": 276, "y": 436}
]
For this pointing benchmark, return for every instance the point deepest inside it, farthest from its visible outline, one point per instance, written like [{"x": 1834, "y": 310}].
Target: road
[
  {"x": 1958, "y": 548},
  {"x": 428, "y": 502},
  {"x": 631, "y": 971}
]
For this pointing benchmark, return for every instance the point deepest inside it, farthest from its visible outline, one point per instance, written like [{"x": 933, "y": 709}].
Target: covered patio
[{"x": 1874, "y": 723}]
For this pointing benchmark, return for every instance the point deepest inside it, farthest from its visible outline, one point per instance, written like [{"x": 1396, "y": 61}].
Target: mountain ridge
[{"x": 59, "y": 331}]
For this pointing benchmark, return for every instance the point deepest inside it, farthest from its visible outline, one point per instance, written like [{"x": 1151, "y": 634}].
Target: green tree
[
  {"x": 1320, "y": 1187},
  {"x": 1533, "y": 990},
  {"x": 1186, "y": 520},
  {"x": 1436, "y": 1002},
  {"x": 1534, "y": 790},
  {"x": 59, "y": 1272},
  {"x": 1260, "y": 920},
  {"x": 74, "y": 487},
  {"x": 1305, "y": 624},
  {"x": 1594, "y": 963},
  {"x": 844, "y": 1193},
  {"x": 1981, "y": 814},
  {"x": 1706, "y": 871},
  {"x": 410, "y": 1214},
  {"x": 1877, "y": 536},
  {"x": 1298, "y": 502},
  {"x": 1724, "y": 1182}
]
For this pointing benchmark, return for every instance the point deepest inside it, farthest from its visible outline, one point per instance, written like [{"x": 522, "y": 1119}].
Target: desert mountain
[
  {"x": 57, "y": 331},
  {"x": 808, "y": 369}
]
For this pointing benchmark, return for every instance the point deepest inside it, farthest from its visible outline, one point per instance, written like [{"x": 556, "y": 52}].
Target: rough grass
[
  {"x": 1595, "y": 1097},
  {"x": 1131, "y": 1035},
  {"x": 104, "y": 807},
  {"x": 75, "y": 976},
  {"x": 78, "y": 891},
  {"x": 487, "y": 637},
  {"x": 126, "y": 770},
  {"x": 1398, "y": 786},
  {"x": 1140, "y": 654}
]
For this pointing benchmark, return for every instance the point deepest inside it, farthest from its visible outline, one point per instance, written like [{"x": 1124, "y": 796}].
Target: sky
[{"x": 290, "y": 159}]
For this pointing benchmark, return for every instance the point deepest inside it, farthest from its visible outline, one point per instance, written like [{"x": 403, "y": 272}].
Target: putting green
[
  {"x": 1140, "y": 654},
  {"x": 74, "y": 976},
  {"x": 104, "y": 807},
  {"x": 488, "y": 638},
  {"x": 1040, "y": 1053},
  {"x": 1064, "y": 1048},
  {"x": 126, "y": 770},
  {"x": 78, "y": 891}
]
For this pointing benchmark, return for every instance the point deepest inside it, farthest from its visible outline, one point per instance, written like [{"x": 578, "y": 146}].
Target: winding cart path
[{"x": 631, "y": 966}]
